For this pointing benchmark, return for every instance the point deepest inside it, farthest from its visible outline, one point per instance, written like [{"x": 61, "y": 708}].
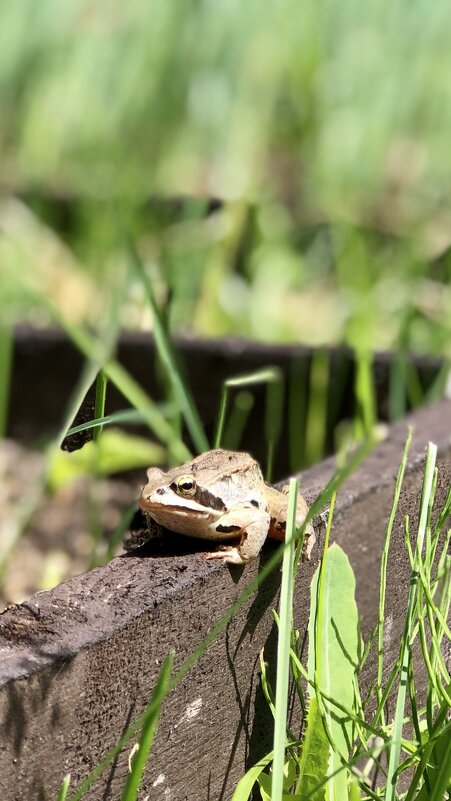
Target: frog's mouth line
[{"x": 149, "y": 506}]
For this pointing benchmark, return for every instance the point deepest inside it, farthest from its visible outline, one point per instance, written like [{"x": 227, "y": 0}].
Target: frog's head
[
  {"x": 183, "y": 499},
  {"x": 191, "y": 497}
]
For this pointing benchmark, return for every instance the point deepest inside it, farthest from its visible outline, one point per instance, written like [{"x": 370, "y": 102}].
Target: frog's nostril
[{"x": 161, "y": 491}]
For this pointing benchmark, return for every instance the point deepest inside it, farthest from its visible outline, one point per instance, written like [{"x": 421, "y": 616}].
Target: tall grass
[
  {"x": 322, "y": 133},
  {"x": 341, "y": 753},
  {"x": 272, "y": 378}
]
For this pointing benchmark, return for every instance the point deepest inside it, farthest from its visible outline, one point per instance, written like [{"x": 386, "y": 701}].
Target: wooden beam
[{"x": 78, "y": 663}]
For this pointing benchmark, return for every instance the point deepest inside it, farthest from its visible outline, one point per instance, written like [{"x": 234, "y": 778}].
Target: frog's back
[{"x": 222, "y": 460}]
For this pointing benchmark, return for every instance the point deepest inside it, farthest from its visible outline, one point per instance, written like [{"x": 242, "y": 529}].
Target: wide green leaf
[
  {"x": 113, "y": 452},
  {"x": 244, "y": 787},
  {"x": 314, "y": 756},
  {"x": 334, "y": 653}
]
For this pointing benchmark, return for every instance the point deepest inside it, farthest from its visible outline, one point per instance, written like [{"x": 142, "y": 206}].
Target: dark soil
[{"x": 68, "y": 532}]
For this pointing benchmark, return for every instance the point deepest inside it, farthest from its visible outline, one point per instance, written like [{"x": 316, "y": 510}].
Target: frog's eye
[{"x": 186, "y": 485}]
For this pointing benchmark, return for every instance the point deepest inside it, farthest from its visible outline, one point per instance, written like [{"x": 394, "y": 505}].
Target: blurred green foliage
[
  {"x": 283, "y": 168},
  {"x": 114, "y": 452}
]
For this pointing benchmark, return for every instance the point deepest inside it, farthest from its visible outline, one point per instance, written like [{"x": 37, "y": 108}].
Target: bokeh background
[{"x": 283, "y": 168}]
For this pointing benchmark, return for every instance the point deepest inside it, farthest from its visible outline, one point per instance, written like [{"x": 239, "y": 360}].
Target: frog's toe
[{"x": 229, "y": 555}]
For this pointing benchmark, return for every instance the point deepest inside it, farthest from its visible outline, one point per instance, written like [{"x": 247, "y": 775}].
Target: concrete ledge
[{"x": 78, "y": 663}]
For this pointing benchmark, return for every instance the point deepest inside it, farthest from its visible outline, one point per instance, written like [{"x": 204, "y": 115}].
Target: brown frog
[{"x": 221, "y": 495}]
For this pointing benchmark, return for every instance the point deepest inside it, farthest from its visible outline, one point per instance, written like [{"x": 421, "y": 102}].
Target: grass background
[{"x": 320, "y": 131}]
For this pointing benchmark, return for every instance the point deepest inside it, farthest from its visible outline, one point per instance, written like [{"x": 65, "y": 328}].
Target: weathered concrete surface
[{"x": 78, "y": 663}]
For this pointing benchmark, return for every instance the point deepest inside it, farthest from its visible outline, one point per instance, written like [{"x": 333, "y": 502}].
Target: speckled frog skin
[{"x": 221, "y": 495}]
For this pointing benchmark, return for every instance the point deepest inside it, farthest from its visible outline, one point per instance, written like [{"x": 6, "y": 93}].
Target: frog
[{"x": 221, "y": 495}]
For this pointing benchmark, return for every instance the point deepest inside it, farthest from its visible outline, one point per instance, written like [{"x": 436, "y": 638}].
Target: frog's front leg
[{"x": 251, "y": 525}]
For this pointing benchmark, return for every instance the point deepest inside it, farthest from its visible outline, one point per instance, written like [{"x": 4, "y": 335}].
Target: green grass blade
[
  {"x": 125, "y": 416},
  {"x": 273, "y": 417},
  {"x": 425, "y": 758},
  {"x": 316, "y": 421},
  {"x": 64, "y": 788},
  {"x": 443, "y": 516},
  {"x": 98, "y": 352},
  {"x": 397, "y": 387},
  {"x": 153, "y": 417},
  {"x": 165, "y": 348},
  {"x": 438, "y": 774},
  {"x": 364, "y": 392},
  {"x": 426, "y": 495},
  {"x": 442, "y": 781},
  {"x": 383, "y": 579},
  {"x": 413, "y": 703},
  {"x": 6, "y": 352},
  {"x": 118, "y": 533},
  {"x": 148, "y": 731},
  {"x": 296, "y": 646},
  {"x": 221, "y": 416},
  {"x": 238, "y": 417},
  {"x": 31, "y": 498},
  {"x": 437, "y": 389},
  {"x": 415, "y": 393},
  {"x": 396, "y": 739},
  {"x": 283, "y": 647},
  {"x": 273, "y": 378},
  {"x": 433, "y": 674},
  {"x": 244, "y": 787},
  {"x": 297, "y": 409},
  {"x": 354, "y": 791},
  {"x": 99, "y": 405},
  {"x": 430, "y": 601},
  {"x": 149, "y": 714}
]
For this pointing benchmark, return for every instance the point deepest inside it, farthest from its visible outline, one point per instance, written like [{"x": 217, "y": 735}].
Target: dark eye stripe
[
  {"x": 206, "y": 498},
  {"x": 203, "y": 497}
]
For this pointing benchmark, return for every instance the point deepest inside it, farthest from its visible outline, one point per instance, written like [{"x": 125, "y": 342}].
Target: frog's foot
[
  {"x": 309, "y": 542},
  {"x": 229, "y": 554},
  {"x": 253, "y": 523}
]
